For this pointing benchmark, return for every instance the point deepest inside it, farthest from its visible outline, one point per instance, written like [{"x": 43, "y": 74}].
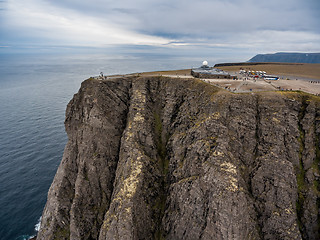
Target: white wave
[{"x": 37, "y": 226}]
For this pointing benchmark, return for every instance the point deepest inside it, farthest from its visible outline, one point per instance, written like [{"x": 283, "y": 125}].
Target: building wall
[{"x": 211, "y": 76}]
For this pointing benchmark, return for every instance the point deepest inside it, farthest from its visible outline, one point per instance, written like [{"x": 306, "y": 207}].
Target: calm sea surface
[{"x": 34, "y": 92}]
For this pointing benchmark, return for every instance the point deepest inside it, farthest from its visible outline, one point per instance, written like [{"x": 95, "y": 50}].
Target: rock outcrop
[{"x": 161, "y": 158}]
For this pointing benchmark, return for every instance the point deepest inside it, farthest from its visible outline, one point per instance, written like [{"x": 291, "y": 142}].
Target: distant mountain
[{"x": 287, "y": 58}]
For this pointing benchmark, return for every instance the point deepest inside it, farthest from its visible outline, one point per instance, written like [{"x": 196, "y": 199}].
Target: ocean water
[{"x": 34, "y": 92}]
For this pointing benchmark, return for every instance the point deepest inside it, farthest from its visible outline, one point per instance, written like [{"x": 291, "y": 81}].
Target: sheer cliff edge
[{"x": 168, "y": 158}]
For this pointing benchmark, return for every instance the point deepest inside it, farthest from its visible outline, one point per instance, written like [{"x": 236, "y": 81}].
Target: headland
[{"x": 154, "y": 157}]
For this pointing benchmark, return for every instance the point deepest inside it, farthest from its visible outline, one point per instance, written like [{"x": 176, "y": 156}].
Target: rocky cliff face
[{"x": 161, "y": 158}]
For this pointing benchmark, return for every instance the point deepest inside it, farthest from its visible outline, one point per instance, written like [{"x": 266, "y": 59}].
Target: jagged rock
[{"x": 161, "y": 158}]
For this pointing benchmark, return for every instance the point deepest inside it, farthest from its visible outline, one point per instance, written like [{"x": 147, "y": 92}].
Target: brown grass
[
  {"x": 186, "y": 72},
  {"x": 181, "y": 72},
  {"x": 305, "y": 70},
  {"x": 300, "y": 70}
]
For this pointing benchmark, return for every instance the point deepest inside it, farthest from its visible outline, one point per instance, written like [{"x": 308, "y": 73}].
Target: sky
[{"x": 226, "y": 26}]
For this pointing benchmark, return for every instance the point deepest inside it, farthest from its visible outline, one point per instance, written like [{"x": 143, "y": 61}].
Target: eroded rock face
[{"x": 161, "y": 158}]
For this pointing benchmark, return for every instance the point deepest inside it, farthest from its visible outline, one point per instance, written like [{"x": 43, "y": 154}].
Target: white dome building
[
  {"x": 204, "y": 63},
  {"x": 209, "y": 72}
]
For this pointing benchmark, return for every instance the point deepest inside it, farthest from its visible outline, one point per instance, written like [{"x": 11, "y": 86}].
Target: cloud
[
  {"x": 270, "y": 25},
  {"x": 203, "y": 16},
  {"x": 63, "y": 25}
]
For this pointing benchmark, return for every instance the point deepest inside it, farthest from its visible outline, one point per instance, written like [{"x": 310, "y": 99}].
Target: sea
[{"x": 35, "y": 89}]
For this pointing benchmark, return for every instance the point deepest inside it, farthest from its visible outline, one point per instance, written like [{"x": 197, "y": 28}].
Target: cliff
[{"x": 161, "y": 158}]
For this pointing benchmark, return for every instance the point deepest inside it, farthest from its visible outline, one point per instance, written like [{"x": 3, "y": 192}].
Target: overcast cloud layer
[{"x": 261, "y": 26}]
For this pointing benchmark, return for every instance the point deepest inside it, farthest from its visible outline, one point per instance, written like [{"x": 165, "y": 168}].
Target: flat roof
[{"x": 209, "y": 71}]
